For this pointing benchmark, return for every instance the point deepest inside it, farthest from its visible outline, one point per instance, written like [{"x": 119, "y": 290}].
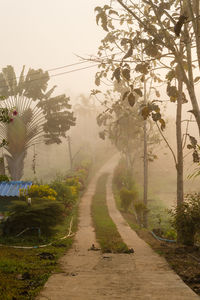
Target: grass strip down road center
[{"x": 107, "y": 235}]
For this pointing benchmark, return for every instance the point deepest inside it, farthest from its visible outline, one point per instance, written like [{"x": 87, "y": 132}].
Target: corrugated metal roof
[{"x": 11, "y": 188}]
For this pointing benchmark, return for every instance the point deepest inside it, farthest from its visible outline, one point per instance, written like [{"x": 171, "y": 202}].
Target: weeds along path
[
  {"x": 153, "y": 277},
  {"x": 91, "y": 275}
]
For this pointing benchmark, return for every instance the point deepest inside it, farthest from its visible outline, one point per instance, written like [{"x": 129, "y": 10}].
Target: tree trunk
[{"x": 179, "y": 165}]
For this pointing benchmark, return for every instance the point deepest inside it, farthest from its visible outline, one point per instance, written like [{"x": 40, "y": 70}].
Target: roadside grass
[
  {"x": 23, "y": 272},
  {"x": 158, "y": 216},
  {"x": 106, "y": 231}
]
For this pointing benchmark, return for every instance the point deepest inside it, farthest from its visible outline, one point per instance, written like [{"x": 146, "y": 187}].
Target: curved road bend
[{"x": 90, "y": 275}]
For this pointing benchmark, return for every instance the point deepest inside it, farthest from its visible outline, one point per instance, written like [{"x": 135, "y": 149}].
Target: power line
[
  {"x": 75, "y": 70},
  {"x": 54, "y": 75},
  {"x": 49, "y": 70},
  {"x": 58, "y": 68}
]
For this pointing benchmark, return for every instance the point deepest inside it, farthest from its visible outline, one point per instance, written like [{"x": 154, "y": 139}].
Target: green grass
[
  {"x": 128, "y": 216},
  {"x": 106, "y": 231},
  {"x": 158, "y": 216},
  {"x": 22, "y": 272}
]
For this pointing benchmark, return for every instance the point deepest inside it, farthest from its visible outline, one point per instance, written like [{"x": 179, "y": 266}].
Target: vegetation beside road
[
  {"x": 23, "y": 271},
  {"x": 182, "y": 259}
]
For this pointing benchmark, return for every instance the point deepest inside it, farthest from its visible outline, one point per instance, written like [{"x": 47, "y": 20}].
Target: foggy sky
[{"x": 46, "y": 34}]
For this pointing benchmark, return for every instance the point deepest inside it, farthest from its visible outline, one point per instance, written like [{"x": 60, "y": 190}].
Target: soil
[
  {"x": 185, "y": 261},
  {"x": 92, "y": 275}
]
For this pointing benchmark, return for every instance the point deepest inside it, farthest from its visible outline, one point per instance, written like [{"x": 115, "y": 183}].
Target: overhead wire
[
  {"x": 74, "y": 64},
  {"x": 50, "y": 76},
  {"x": 58, "y": 68}
]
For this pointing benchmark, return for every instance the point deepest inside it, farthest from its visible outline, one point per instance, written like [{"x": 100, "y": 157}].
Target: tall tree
[
  {"x": 162, "y": 22},
  {"x": 41, "y": 117},
  {"x": 164, "y": 26},
  {"x": 123, "y": 127}
]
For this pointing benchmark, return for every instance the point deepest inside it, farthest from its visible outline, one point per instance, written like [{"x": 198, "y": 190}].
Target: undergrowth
[{"x": 23, "y": 272}]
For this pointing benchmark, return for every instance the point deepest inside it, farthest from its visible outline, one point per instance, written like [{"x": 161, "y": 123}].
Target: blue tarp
[{"x": 11, "y": 188}]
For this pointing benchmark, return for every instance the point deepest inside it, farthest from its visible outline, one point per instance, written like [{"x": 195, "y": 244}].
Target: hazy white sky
[{"x": 46, "y": 34}]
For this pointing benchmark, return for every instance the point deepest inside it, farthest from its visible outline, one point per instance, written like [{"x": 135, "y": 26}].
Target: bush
[
  {"x": 44, "y": 214},
  {"x": 186, "y": 219},
  {"x": 127, "y": 197},
  {"x": 39, "y": 191},
  {"x": 171, "y": 234},
  {"x": 66, "y": 193},
  {"x": 141, "y": 210},
  {"x": 4, "y": 178},
  {"x": 119, "y": 175},
  {"x": 123, "y": 177}
]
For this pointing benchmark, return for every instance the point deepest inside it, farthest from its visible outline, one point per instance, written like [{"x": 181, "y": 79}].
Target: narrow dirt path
[{"x": 90, "y": 275}]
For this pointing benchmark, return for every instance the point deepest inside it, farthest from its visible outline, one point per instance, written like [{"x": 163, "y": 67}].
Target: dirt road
[{"x": 90, "y": 275}]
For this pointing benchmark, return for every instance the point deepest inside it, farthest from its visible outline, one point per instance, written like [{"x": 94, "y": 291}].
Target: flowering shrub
[
  {"x": 72, "y": 181},
  {"x": 82, "y": 174},
  {"x": 68, "y": 189},
  {"x": 66, "y": 194},
  {"x": 39, "y": 191}
]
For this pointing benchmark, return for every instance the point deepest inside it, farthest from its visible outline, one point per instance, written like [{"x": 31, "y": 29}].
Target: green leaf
[
  {"x": 179, "y": 24},
  {"x": 125, "y": 41},
  {"x": 172, "y": 91},
  {"x": 97, "y": 81},
  {"x": 106, "y": 7},
  {"x": 98, "y": 8},
  {"x": 190, "y": 146},
  {"x": 131, "y": 99},
  {"x": 152, "y": 50},
  {"x": 195, "y": 157},
  {"x": 114, "y": 12},
  {"x": 139, "y": 92},
  {"x": 157, "y": 94},
  {"x": 145, "y": 112},
  {"x": 125, "y": 95},
  {"x": 102, "y": 135},
  {"x": 126, "y": 73},
  {"x": 197, "y": 79},
  {"x": 129, "y": 53},
  {"x": 94, "y": 92},
  {"x": 102, "y": 15},
  {"x": 193, "y": 141},
  {"x": 116, "y": 74},
  {"x": 156, "y": 116},
  {"x": 170, "y": 75},
  {"x": 142, "y": 68},
  {"x": 162, "y": 122}
]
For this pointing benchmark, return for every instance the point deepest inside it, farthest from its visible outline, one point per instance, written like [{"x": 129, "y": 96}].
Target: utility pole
[
  {"x": 70, "y": 152},
  {"x": 145, "y": 161}
]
